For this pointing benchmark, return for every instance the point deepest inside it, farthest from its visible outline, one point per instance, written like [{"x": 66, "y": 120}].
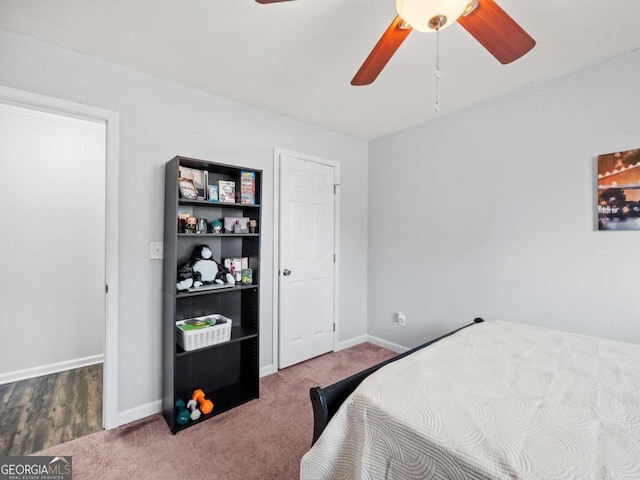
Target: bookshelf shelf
[{"x": 207, "y": 203}]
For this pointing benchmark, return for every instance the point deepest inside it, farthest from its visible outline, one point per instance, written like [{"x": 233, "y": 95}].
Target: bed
[{"x": 491, "y": 400}]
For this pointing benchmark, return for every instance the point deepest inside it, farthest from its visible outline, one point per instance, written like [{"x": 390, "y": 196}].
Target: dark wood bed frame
[{"x": 327, "y": 400}]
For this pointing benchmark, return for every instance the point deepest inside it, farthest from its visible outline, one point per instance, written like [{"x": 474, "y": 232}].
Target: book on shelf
[
  {"x": 247, "y": 187},
  {"x": 213, "y": 193},
  {"x": 198, "y": 177},
  {"x": 187, "y": 189},
  {"x": 227, "y": 191},
  {"x": 209, "y": 286}
]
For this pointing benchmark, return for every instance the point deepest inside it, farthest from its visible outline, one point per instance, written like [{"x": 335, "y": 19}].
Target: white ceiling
[{"x": 297, "y": 58}]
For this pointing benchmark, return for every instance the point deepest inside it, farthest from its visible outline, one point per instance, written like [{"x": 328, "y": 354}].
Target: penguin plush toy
[{"x": 202, "y": 269}]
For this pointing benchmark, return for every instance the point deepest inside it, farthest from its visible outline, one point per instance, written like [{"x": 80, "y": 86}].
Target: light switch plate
[{"x": 156, "y": 250}]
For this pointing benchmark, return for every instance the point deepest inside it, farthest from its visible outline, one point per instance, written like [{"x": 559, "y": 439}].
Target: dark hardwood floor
[{"x": 49, "y": 410}]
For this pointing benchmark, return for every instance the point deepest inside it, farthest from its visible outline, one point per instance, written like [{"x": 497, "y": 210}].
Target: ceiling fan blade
[
  {"x": 271, "y": 1},
  {"x": 497, "y": 32},
  {"x": 382, "y": 52}
]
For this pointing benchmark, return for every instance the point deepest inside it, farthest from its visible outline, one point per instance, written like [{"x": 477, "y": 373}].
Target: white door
[
  {"x": 52, "y": 205},
  {"x": 307, "y": 200}
]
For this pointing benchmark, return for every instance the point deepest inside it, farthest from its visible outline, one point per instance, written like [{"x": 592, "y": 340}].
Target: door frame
[
  {"x": 277, "y": 152},
  {"x": 112, "y": 161}
]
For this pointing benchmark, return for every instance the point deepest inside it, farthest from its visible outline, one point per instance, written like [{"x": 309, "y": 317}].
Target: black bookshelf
[{"x": 227, "y": 372}]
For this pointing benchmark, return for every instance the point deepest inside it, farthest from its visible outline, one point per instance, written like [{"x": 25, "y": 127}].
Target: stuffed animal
[
  {"x": 202, "y": 269},
  {"x": 185, "y": 277}
]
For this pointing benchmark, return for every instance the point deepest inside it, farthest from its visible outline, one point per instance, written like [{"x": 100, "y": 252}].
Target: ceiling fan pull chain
[{"x": 437, "y": 72}]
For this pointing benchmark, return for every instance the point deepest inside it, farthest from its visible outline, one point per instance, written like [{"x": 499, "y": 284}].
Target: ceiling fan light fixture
[
  {"x": 473, "y": 4},
  {"x": 430, "y": 15}
]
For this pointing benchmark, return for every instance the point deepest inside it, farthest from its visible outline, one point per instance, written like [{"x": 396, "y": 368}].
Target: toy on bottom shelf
[
  {"x": 206, "y": 405},
  {"x": 183, "y": 414},
  {"x": 193, "y": 406}
]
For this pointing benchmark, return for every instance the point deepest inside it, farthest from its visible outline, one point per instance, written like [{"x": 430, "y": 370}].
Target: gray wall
[
  {"x": 48, "y": 298},
  {"x": 159, "y": 120},
  {"x": 490, "y": 212}
]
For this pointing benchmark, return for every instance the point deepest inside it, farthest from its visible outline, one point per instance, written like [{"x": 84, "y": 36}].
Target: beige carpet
[{"x": 263, "y": 439}]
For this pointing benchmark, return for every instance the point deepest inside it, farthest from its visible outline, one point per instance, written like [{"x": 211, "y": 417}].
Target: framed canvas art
[{"x": 619, "y": 190}]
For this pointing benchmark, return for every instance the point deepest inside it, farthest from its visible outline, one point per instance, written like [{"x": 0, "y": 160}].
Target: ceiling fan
[{"x": 483, "y": 19}]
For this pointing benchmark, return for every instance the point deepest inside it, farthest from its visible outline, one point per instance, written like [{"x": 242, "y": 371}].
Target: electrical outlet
[
  {"x": 156, "y": 250},
  {"x": 401, "y": 318}
]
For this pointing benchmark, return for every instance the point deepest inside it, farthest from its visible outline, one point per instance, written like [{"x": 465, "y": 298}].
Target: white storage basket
[{"x": 204, "y": 337}]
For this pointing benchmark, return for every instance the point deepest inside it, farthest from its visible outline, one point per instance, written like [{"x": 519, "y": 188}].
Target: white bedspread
[{"x": 494, "y": 401}]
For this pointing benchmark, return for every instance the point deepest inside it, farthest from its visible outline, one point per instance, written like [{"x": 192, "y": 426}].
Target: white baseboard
[
  {"x": 267, "y": 370},
  {"x": 49, "y": 369},
  {"x": 352, "y": 342},
  {"x": 385, "y": 344},
  {"x": 151, "y": 408},
  {"x": 136, "y": 413}
]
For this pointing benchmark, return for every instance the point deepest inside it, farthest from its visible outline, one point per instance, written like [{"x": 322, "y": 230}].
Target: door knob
[{"x": 286, "y": 272}]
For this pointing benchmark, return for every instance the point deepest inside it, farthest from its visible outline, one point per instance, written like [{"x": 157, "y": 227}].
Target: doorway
[
  {"x": 305, "y": 257},
  {"x": 59, "y": 197}
]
